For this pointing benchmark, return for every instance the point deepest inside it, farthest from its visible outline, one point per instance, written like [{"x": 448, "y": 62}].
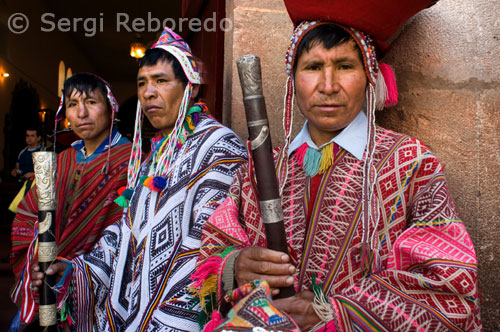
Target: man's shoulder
[
  {"x": 392, "y": 141},
  {"x": 211, "y": 127},
  {"x": 23, "y": 151},
  {"x": 123, "y": 143},
  {"x": 67, "y": 153}
]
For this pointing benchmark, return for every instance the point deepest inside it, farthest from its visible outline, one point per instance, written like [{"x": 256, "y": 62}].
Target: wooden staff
[
  {"x": 44, "y": 163},
  {"x": 262, "y": 153}
]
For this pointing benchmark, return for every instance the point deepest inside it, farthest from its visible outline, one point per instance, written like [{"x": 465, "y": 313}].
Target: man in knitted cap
[
  {"x": 136, "y": 277},
  {"x": 374, "y": 239},
  {"x": 89, "y": 175}
]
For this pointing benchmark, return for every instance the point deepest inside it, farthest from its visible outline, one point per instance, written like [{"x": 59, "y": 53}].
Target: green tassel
[
  {"x": 142, "y": 178},
  {"x": 64, "y": 312},
  {"x": 122, "y": 202},
  {"x": 317, "y": 288},
  {"x": 312, "y": 162}
]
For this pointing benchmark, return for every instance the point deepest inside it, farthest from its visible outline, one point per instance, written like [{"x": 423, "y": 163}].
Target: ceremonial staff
[
  {"x": 44, "y": 163},
  {"x": 262, "y": 154}
]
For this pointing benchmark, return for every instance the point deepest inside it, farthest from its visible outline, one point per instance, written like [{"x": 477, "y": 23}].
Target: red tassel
[
  {"x": 390, "y": 82},
  {"x": 300, "y": 154},
  {"x": 215, "y": 320}
]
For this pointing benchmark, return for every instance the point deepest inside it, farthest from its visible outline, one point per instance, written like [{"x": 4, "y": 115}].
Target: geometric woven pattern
[
  {"x": 141, "y": 282},
  {"x": 423, "y": 272}
]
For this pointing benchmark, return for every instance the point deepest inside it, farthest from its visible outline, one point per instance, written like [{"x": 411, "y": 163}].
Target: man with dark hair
[
  {"x": 24, "y": 165},
  {"x": 137, "y": 275},
  {"x": 374, "y": 240},
  {"x": 89, "y": 175}
]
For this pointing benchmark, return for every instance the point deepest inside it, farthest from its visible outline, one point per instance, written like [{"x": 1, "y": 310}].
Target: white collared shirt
[{"x": 352, "y": 138}]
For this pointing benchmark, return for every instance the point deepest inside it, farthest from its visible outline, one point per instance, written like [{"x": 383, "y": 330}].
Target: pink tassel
[
  {"x": 215, "y": 320},
  {"x": 300, "y": 153},
  {"x": 330, "y": 327},
  {"x": 390, "y": 82},
  {"x": 211, "y": 266}
]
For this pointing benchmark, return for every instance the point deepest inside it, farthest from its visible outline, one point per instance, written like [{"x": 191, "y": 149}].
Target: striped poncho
[{"x": 85, "y": 204}]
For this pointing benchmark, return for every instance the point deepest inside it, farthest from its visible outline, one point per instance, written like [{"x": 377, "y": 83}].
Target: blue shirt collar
[
  {"x": 80, "y": 146},
  {"x": 352, "y": 138}
]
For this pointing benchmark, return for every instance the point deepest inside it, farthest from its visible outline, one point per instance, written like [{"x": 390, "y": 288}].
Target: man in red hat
[{"x": 375, "y": 242}]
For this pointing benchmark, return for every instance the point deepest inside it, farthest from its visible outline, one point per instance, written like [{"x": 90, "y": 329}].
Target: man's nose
[
  {"x": 82, "y": 110},
  {"x": 150, "y": 91},
  {"x": 329, "y": 83}
]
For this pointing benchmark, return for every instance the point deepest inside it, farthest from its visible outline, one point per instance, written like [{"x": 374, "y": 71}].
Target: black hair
[
  {"x": 35, "y": 128},
  {"x": 328, "y": 35},
  {"x": 155, "y": 55},
  {"x": 85, "y": 83}
]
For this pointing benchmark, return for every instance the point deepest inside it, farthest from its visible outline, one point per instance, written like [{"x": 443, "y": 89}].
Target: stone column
[{"x": 262, "y": 28}]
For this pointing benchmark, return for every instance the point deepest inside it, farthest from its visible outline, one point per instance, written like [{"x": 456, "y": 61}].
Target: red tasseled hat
[{"x": 379, "y": 18}]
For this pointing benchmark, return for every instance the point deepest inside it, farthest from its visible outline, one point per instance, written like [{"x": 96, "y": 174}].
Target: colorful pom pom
[
  {"x": 142, "y": 179},
  {"x": 120, "y": 191},
  {"x": 122, "y": 201},
  {"x": 159, "y": 183},
  {"x": 127, "y": 193},
  {"x": 215, "y": 320},
  {"x": 148, "y": 181}
]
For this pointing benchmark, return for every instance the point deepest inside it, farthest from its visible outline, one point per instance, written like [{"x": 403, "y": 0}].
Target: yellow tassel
[
  {"x": 209, "y": 286},
  {"x": 327, "y": 158}
]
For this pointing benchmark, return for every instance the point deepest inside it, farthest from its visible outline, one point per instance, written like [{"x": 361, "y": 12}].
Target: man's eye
[
  {"x": 313, "y": 67},
  {"x": 71, "y": 105},
  {"x": 140, "y": 84},
  {"x": 345, "y": 66},
  {"x": 161, "y": 80}
]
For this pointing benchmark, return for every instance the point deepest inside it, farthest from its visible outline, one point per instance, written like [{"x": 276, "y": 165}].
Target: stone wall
[{"x": 448, "y": 71}]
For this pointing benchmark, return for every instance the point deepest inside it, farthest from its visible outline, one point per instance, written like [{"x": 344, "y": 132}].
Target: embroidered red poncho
[
  {"x": 85, "y": 204},
  {"x": 422, "y": 273}
]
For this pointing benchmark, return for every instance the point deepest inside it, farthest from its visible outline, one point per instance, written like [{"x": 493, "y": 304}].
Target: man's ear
[{"x": 196, "y": 90}]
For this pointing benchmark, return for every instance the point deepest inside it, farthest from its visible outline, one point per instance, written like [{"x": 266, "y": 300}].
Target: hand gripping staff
[{"x": 262, "y": 154}]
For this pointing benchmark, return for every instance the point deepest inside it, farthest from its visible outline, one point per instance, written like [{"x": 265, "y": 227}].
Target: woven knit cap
[
  {"x": 381, "y": 18},
  {"x": 175, "y": 45}
]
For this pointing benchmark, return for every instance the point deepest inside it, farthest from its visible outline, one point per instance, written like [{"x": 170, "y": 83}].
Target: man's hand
[
  {"x": 264, "y": 264},
  {"x": 300, "y": 308},
  {"x": 57, "y": 268},
  {"x": 28, "y": 175},
  {"x": 14, "y": 172}
]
